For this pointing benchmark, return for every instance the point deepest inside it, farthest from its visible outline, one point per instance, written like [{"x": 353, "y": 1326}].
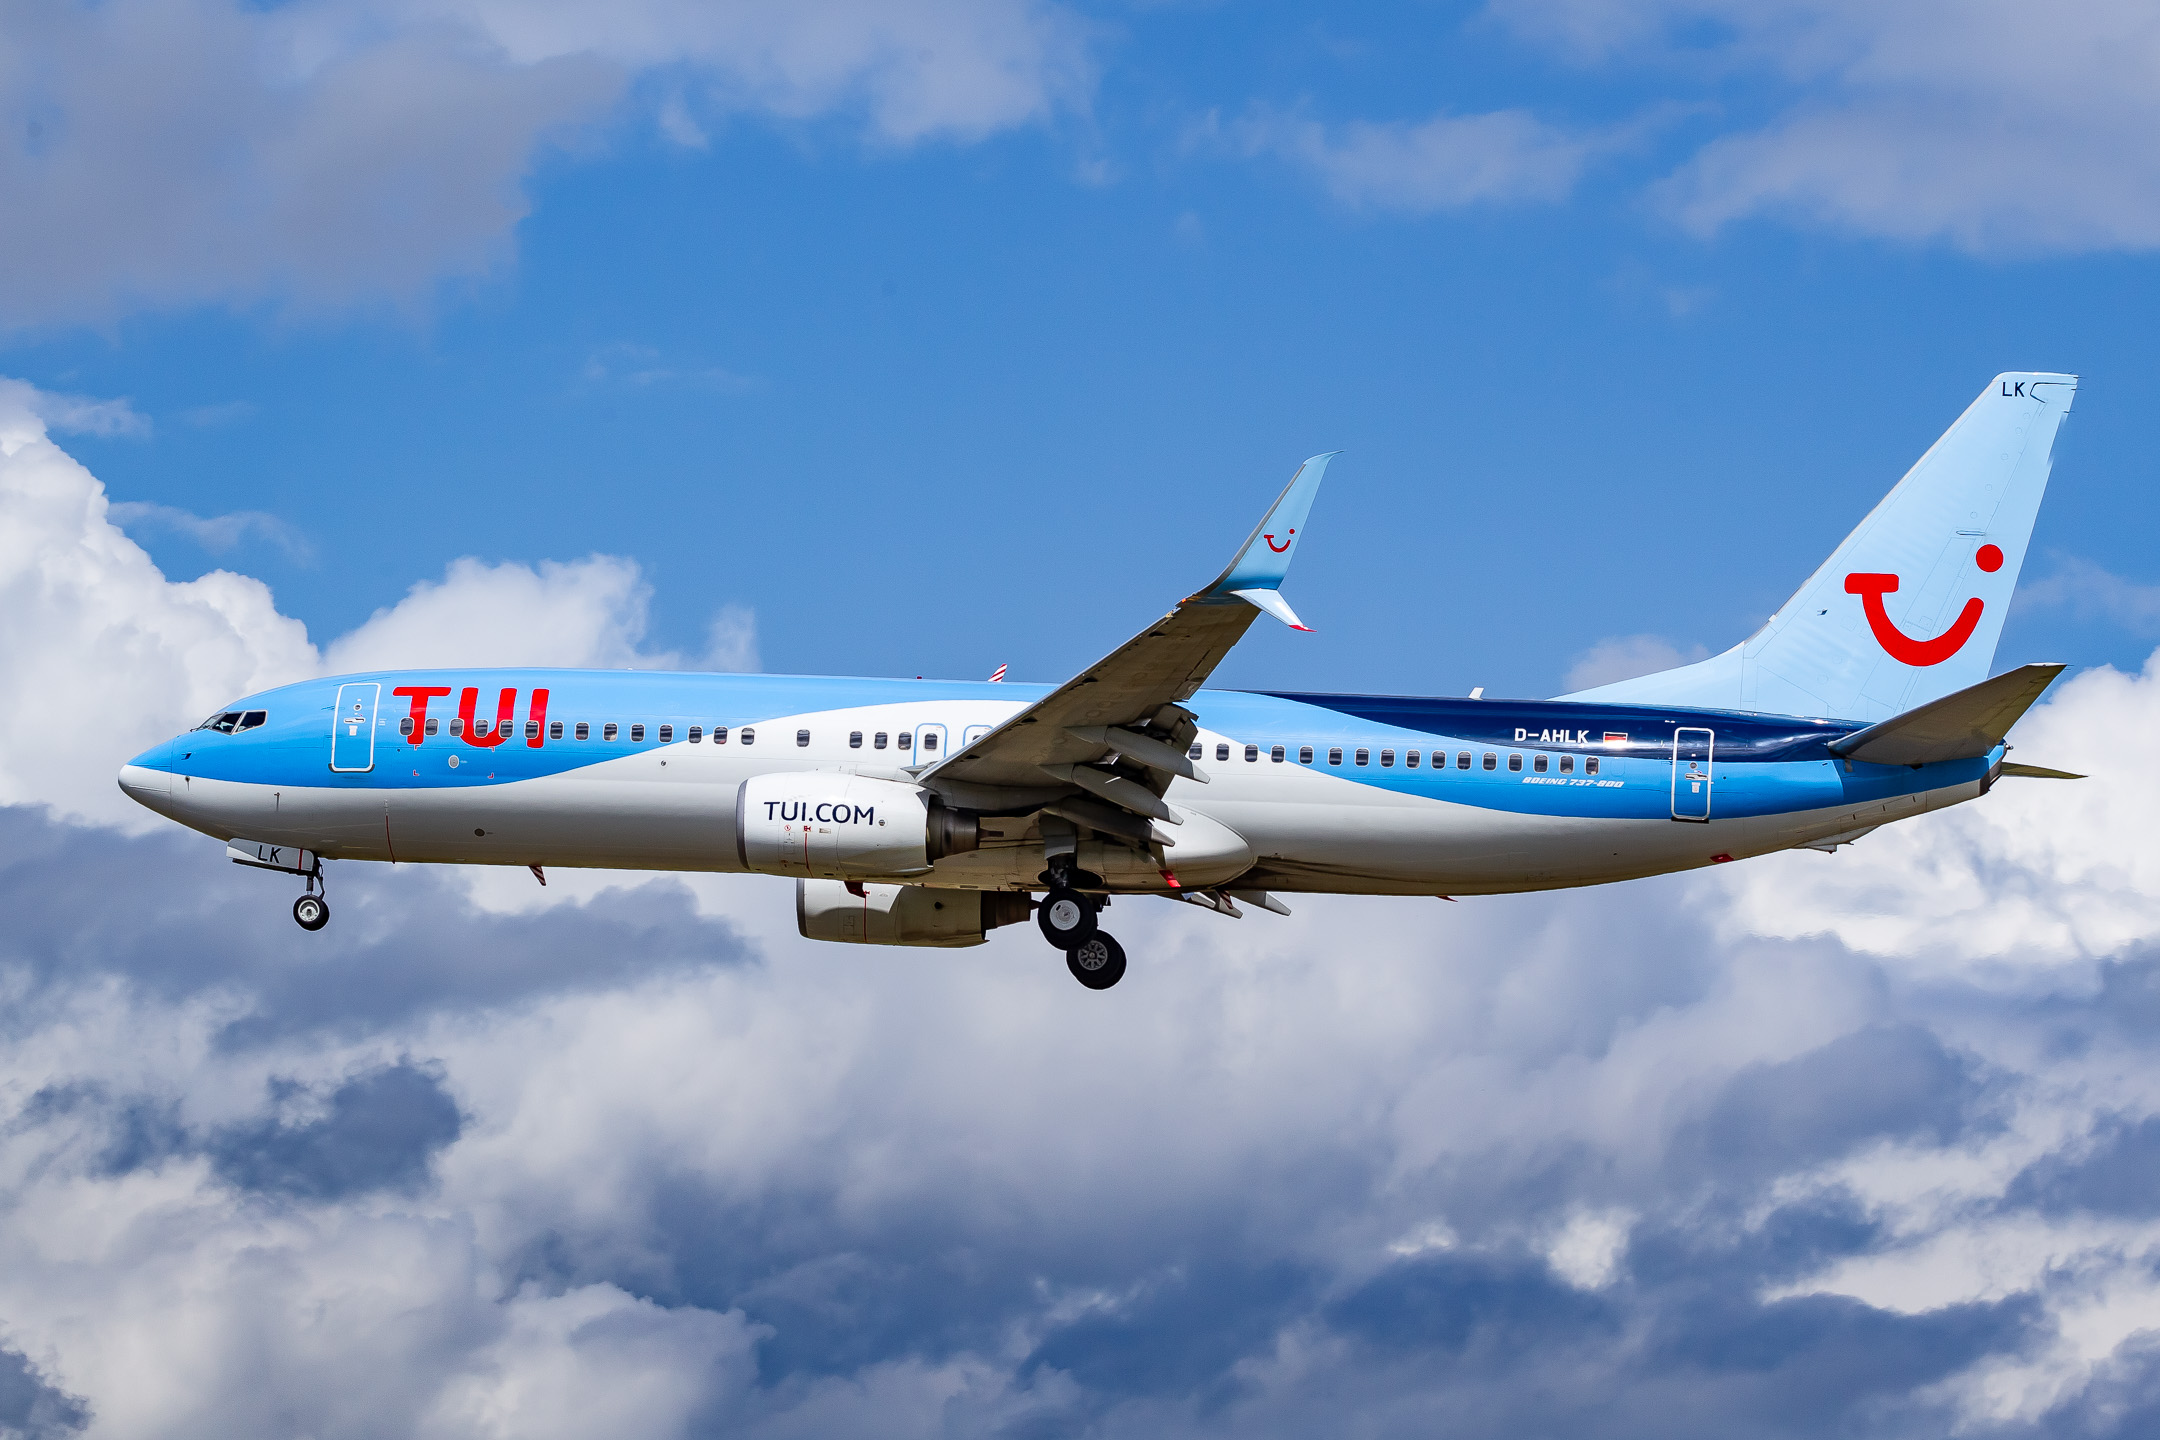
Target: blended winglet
[{"x": 1259, "y": 568}]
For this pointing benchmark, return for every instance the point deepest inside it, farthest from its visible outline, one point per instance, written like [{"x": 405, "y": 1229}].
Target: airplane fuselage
[{"x": 1335, "y": 793}]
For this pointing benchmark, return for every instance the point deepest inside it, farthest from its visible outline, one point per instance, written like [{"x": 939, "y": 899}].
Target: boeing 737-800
[{"x": 912, "y": 812}]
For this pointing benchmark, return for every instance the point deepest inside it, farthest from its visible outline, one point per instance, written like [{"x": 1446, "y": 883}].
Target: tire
[
  {"x": 1097, "y": 962},
  {"x": 312, "y": 911},
  {"x": 1065, "y": 918}
]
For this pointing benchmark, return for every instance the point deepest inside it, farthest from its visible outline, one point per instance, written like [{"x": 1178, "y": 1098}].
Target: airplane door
[
  {"x": 929, "y": 744},
  {"x": 1691, "y": 775},
  {"x": 352, "y": 727},
  {"x": 973, "y": 733}
]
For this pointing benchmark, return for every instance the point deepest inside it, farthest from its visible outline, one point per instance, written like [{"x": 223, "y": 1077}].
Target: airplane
[{"x": 928, "y": 813}]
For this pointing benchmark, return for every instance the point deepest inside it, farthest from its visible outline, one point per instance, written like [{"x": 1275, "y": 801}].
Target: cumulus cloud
[
  {"x": 1991, "y": 126},
  {"x": 1445, "y": 162},
  {"x": 106, "y": 656},
  {"x": 2093, "y": 592},
  {"x": 171, "y": 152}
]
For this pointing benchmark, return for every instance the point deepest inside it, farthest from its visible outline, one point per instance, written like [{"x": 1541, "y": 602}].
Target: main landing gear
[{"x": 1066, "y": 918}]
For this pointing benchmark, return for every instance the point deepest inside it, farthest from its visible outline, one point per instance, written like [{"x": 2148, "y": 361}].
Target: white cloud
[
  {"x": 2093, "y": 592},
  {"x": 1994, "y": 126},
  {"x": 105, "y": 656},
  {"x": 1623, "y": 657},
  {"x": 172, "y": 152},
  {"x": 1442, "y": 163},
  {"x": 215, "y": 533}
]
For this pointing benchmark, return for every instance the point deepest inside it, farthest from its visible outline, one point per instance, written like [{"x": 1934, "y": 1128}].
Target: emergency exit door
[
  {"x": 352, "y": 727},
  {"x": 1691, "y": 773}
]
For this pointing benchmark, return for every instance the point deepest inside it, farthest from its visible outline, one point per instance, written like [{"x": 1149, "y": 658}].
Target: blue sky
[{"x": 923, "y": 337}]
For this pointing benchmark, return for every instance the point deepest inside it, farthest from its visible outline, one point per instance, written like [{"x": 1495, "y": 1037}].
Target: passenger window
[
  {"x": 1589, "y": 764},
  {"x": 1194, "y": 752},
  {"x": 854, "y": 739},
  {"x": 1252, "y": 753},
  {"x": 637, "y": 732},
  {"x": 1387, "y": 759},
  {"x": 1538, "y": 763},
  {"x": 877, "y": 741},
  {"x": 667, "y": 734},
  {"x": 253, "y": 718},
  {"x": 1514, "y": 762},
  {"x": 1276, "y": 755},
  {"x": 719, "y": 734},
  {"x": 1567, "y": 764},
  {"x": 802, "y": 738},
  {"x": 905, "y": 740},
  {"x": 1304, "y": 755},
  {"x": 1462, "y": 760},
  {"x": 554, "y": 729},
  {"x": 749, "y": 736},
  {"x": 607, "y": 731},
  {"x": 929, "y": 741},
  {"x": 1222, "y": 752},
  {"x": 584, "y": 730},
  {"x": 1491, "y": 761},
  {"x": 434, "y": 726},
  {"x": 532, "y": 729},
  {"x": 697, "y": 734},
  {"x": 1364, "y": 757},
  {"x": 405, "y": 726},
  {"x": 1410, "y": 760},
  {"x": 457, "y": 725},
  {"x": 1334, "y": 756}
]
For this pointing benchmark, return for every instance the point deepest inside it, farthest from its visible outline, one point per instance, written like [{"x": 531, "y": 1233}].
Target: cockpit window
[
  {"x": 252, "y": 718},
  {"x": 224, "y": 723}
]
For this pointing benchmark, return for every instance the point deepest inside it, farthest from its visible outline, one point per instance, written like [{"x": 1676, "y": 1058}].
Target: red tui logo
[{"x": 1902, "y": 647}]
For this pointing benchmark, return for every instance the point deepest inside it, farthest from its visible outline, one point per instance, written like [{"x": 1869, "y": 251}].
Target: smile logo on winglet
[
  {"x": 1902, "y": 647},
  {"x": 1278, "y": 549}
]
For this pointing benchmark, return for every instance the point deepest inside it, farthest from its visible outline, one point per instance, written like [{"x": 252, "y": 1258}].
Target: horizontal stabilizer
[
  {"x": 2036, "y": 772},
  {"x": 1964, "y": 725}
]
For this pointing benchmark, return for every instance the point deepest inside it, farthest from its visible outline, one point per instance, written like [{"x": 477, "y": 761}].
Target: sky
[{"x": 920, "y": 338}]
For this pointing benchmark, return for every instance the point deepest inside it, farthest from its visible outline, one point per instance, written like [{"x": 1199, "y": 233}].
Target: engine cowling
[
  {"x": 828, "y": 824},
  {"x": 870, "y": 914}
]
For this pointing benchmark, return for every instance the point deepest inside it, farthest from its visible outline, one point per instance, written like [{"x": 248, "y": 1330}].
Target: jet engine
[
  {"x": 837, "y": 826},
  {"x": 902, "y": 914}
]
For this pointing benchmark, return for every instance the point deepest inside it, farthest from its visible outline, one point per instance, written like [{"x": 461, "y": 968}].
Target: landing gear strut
[
  {"x": 312, "y": 909},
  {"x": 1067, "y": 920}
]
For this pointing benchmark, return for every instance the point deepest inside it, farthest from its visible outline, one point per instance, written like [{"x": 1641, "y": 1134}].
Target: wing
[{"x": 1101, "y": 748}]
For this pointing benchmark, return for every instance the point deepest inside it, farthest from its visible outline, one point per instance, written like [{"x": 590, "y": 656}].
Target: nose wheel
[{"x": 312, "y": 911}]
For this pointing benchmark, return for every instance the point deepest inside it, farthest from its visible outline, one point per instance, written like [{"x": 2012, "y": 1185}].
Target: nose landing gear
[
  {"x": 1066, "y": 918},
  {"x": 312, "y": 911}
]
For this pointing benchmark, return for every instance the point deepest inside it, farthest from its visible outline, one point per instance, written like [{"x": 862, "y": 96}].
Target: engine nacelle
[
  {"x": 902, "y": 914},
  {"x": 839, "y": 826}
]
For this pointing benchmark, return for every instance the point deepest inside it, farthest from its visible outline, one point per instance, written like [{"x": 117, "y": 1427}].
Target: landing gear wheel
[
  {"x": 1097, "y": 962},
  {"x": 312, "y": 911},
  {"x": 1066, "y": 918}
]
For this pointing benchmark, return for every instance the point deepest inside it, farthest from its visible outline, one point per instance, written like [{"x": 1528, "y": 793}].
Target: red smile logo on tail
[
  {"x": 1278, "y": 549},
  {"x": 1872, "y": 588}
]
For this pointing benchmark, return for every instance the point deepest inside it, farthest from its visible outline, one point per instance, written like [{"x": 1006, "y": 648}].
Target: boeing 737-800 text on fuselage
[{"x": 913, "y": 812}]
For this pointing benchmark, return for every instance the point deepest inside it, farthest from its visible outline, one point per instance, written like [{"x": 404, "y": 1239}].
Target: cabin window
[
  {"x": 532, "y": 729},
  {"x": 607, "y": 731},
  {"x": 1252, "y": 753},
  {"x": 802, "y": 738},
  {"x": 1276, "y": 755},
  {"x": 697, "y": 734},
  {"x": 854, "y": 739},
  {"x": 904, "y": 739},
  {"x": 1589, "y": 764},
  {"x": 667, "y": 734},
  {"x": 1387, "y": 759},
  {"x": 253, "y": 718},
  {"x": 1410, "y": 760},
  {"x": 1194, "y": 752},
  {"x": 1514, "y": 762},
  {"x": 1491, "y": 761},
  {"x": 554, "y": 729},
  {"x": 929, "y": 741},
  {"x": 1364, "y": 757},
  {"x": 1567, "y": 764},
  {"x": 1462, "y": 759},
  {"x": 434, "y": 726},
  {"x": 1538, "y": 763},
  {"x": 637, "y": 732},
  {"x": 457, "y": 725},
  {"x": 749, "y": 736},
  {"x": 719, "y": 734},
  {"x": 1304, "y": 755},
  {"x": 405, "y": 726},
  {"x": 877, "y": 741},
  {"x": 1334, "y": 755},
  {"x": 1222, "y": 752},
  {"x": 584, "y": 730}
]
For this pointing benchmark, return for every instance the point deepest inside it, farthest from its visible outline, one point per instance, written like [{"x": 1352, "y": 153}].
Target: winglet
[{"x": 1260, "y": 567}]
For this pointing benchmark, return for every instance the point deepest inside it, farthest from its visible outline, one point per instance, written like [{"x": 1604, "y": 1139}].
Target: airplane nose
[{"x": 146, "y": 786}]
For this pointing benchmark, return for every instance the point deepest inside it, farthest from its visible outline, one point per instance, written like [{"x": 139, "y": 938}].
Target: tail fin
[{"x": 1911, "y": 605}]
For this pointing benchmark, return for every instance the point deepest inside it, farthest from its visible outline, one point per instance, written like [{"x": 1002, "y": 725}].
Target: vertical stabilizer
[{"x": 1910, "y": 607}]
